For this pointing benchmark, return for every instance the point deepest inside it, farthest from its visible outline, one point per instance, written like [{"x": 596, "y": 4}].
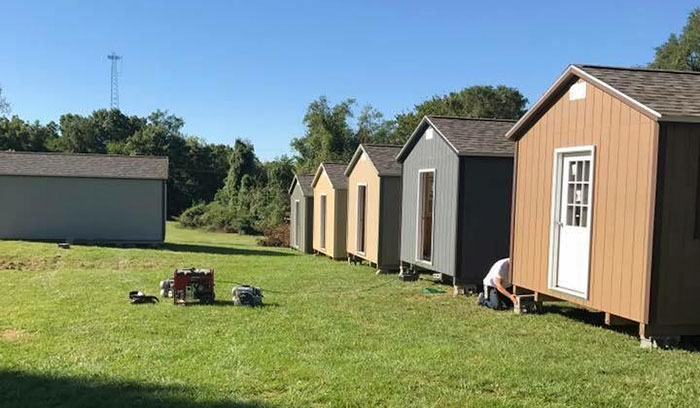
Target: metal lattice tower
[{"x": 114, "y": 89}]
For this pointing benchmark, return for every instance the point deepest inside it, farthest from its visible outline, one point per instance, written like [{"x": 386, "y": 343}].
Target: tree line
[{"x": 229, "y": 188}]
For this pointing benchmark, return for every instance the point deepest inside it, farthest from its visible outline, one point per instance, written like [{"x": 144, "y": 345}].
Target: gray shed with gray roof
[
  {"x": 83, "y": 197},
  {"x": 456, "y": 196},
  {"x": 301, "y": 218}
]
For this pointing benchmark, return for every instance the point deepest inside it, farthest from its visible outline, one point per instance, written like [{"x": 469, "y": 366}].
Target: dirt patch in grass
[
  {"x": 14, "y": 336},
  {"x": 33, "y": 264}
]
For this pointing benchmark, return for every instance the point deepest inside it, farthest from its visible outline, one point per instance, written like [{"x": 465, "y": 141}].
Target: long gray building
[
  {"x": 301, "y": 220},
  {"x": 83, "y": 197},
  {"x": 456, "y": 197}
]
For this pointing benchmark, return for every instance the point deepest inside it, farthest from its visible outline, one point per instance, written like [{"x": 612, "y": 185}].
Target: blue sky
[{"x": 249, "y": 68}]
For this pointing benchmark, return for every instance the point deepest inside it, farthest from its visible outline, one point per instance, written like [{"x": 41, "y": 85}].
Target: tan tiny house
[
  {"x": 606, "y": 210},
  {"x": 374, "y": 206},
  {"x": 330, "y": 210}
]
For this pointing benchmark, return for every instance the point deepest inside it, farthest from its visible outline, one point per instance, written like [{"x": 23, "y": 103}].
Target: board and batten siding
[
  {"x": 390, "y": 222},
  {"x": 675, "y": 277},
  {"x": 435, "y": 154},
  {"x": 364, "y": 173},
  {"x": 82, "y": 209},
  {"x": 622, "y": 212},
  {"x": 305, "y": 214}
]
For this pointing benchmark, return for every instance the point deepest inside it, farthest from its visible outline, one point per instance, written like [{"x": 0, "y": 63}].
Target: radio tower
[{"x": 114, "y": 90}]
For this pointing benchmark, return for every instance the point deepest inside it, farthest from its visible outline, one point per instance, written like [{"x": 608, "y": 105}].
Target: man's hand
[{"x": 514, "y": 299}]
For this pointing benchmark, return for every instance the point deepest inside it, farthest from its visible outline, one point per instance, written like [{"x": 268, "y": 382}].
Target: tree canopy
[{"x": 682, "y": 51}]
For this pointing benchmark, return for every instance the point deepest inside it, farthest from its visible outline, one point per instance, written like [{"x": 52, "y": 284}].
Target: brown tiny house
[
  {"x": 605, "y": 200},
  {"x": 374, "y": 206},
  {"x": 330, "y": 210}
]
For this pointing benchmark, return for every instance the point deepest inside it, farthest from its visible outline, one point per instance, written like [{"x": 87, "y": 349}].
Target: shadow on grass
[
  {"x": 211, "y": 249},
  {"x": 688, "y": 343},
  {"x": 18, "y": 389}
]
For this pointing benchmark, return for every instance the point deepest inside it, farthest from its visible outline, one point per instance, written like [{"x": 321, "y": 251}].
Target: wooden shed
[
  {"x": 94, "y": 198},
  {"x": 374, "y": 206},
  {"x": 331, "y": 210},
  {"x": 606, "y": 201},
  {"x": 301, "y": 219},
  {"x": 456, "y": 197}
]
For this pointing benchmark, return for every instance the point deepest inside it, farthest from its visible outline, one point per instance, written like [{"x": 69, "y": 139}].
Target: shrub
[
  {"x": 193, "y": 217},
  {"x": 276, "y": 237}
]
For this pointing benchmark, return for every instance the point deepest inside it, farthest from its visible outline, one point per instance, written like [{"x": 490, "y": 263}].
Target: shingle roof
[
  {"x": 305, "y": 184},
  {"x": 383, "y": 157},
  {"x": 659, "y": 94},
  {"x": 336, "y": 173},
  {"x": 83, "y": 165},
  {"x": 467, "y": 136},
  {"x": 670, "y": 93}
]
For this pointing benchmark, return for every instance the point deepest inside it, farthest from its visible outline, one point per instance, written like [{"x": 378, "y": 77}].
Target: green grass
[{"x": 330, "y": 335}]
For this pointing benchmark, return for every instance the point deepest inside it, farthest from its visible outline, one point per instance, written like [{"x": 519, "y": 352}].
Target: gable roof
[
  {"x": 336, "y": 174},
  {"x": 382, "y": 156},
  {"x": 304, "y": 181},
  {"x": 466, "y": 136},
  {"x": 83, "y": 165},
  {"x": 662, "y": 95}
]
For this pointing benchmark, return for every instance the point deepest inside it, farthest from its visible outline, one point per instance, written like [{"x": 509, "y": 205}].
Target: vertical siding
[
  {"x": 676, "y": 281},
  {"x": 390, "y": 222},
  {"x": 81, "y": 209},
  {"x": 437, "y": 154},
  {"x": 323, "y": 186},
  {"x": 485, "y": 208},
  {"x": 365, "y": 173},
  {"x": 622, "y": 204},
  {"x": 305, "y": 214}
]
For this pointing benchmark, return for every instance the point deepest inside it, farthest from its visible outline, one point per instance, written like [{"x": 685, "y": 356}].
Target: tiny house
[
  {"x": 456, "y": 197},
  {"x": 606, "y": 207},
  {"x": 301, "y": 215},
  {"x": 331, "y": 210},
  {"x": 374, "y": 206}
]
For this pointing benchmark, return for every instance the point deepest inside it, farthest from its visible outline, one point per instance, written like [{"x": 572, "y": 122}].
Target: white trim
[
  {"x": 357, "y": 220},
  {"x": 570, "y": 71},
  {"x": 322, "y": 216},
  {"x": 555, "y": 216},
  {"x": 419, "y": 205}
]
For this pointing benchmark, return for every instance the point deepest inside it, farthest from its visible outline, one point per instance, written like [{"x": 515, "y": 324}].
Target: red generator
[{"x": 193, "y": 286}]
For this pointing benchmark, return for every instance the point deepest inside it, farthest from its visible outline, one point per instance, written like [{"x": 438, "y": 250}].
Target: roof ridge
[
  {"x": 619, "y": 68},
  {"x": 380, "y": 144},
  {"x": 140, "y": 156},
  {"x": 476, "y": 119}
]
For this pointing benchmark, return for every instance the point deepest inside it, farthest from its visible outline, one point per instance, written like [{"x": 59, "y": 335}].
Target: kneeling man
[{"x": 496, "y": 283}]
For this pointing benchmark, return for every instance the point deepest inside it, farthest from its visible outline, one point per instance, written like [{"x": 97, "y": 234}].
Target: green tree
[
  {"x": 4, "y": 105},
  {"x": 95, "y": 133},
  {"x": 242, "y": 162},
  {"x": 482, "y": 101},
  {"x": 681, "y": 52},
  {"x": 372, "y": 127},
  {"x": 328, "y": 135},
  {"x": 18, "y": 135}
]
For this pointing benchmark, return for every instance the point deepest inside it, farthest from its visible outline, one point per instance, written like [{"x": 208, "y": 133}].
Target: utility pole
[{"x": 114, "y": 89}]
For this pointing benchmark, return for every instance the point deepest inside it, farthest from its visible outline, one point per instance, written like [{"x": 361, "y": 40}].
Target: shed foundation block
[{"x": 526, "y": 304}]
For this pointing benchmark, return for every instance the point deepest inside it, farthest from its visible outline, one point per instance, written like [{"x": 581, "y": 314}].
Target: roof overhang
[
  {"x": 417, "y": 134},
  {"x": 572, "y": 74},
  {"x": 291, "y": 186}
]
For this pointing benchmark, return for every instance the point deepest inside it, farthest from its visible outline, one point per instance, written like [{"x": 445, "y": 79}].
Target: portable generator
[
  {"x": 245, "y": 295},
  {"x": 193, "y": 286}
]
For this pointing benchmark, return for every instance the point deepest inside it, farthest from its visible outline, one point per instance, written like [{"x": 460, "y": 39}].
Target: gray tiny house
[
  {"x": 301, "y": 219},
  {"x": 456, "y": 197},
  {"x": 83, "y": 197}
]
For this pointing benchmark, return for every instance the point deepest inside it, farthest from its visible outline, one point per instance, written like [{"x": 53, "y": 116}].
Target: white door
[{"x": 572, "y": 220}]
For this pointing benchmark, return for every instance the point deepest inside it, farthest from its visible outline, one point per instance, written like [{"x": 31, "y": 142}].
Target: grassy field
[{"x": 330, "y": 335}]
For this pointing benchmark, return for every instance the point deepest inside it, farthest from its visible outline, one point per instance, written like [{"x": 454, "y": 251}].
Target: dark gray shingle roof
[
  {"x": 669, "y": 93},
  {"x": 305, "y": 183},
  {"x": 383, "y": 157},
  {"x": 475, "y": 136},
  {"x": 336, "y": 172},
  {"x": 83, "y": 165}
]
